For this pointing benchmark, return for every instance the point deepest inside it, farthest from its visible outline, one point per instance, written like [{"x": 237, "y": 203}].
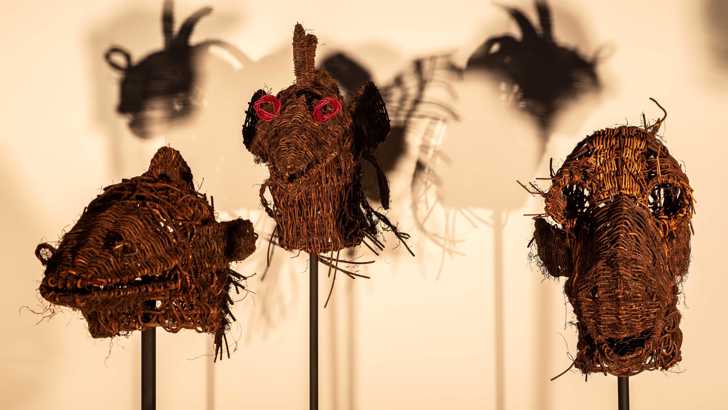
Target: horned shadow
[
  {"x": 513, "y": 92},
  {"x": 135, "y": 36},
  {"x": 538, "y": 72}
]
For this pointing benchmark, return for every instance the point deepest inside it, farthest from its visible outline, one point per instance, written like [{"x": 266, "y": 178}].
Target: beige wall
[{"x": 425, "y": 338}]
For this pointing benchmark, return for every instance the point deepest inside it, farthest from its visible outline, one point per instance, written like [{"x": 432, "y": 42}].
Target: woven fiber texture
[
  {"x": 313, "y": 145},
  {"x": 617, "y": 226},
  {"x": 148, "y": 252}
]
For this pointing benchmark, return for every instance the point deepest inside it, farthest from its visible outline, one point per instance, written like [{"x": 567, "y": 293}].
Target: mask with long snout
[
  {"x": 617, "y": 226},
  {"x": 313, "y": 144},
  {"x": 148, "y": 252}
]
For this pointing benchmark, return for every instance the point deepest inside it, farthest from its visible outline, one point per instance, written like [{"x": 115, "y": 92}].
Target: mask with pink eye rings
[
  {"x": 267, "y": 101},
  {"x": 326, "y": 109}
]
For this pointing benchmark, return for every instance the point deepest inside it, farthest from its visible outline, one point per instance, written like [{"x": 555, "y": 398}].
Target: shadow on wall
[
  {"x": 143, "y": 71},
  {"x": 32, "y": 346},
  {"x": 716, "y": 17},
  {"x": 512, "y": 93},
  {"x": 538, "y": 74}
]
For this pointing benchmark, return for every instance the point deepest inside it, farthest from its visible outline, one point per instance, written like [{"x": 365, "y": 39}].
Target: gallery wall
[{"x": 470, "y": 325}]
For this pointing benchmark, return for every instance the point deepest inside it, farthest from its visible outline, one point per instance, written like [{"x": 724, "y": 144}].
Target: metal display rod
[
  {"x": 623, "y": 392},
  {"x": 313, "y": 332},
  {"x": 149, "y": 364}
]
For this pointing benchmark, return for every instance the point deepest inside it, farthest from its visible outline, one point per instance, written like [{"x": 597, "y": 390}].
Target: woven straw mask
[
  {"x": 147, "y": 252},
  {"x": 617, "y": 226},
  {"x": 313, "y": 144}
]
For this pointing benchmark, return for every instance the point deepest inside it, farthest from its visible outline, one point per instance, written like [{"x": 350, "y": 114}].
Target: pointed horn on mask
[{"x": 304, "y": 53}]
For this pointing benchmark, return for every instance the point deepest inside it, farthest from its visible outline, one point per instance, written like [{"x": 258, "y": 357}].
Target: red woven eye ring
[
  {"x": 318, "y": 111},
  {"x": 261, "y": 112}
]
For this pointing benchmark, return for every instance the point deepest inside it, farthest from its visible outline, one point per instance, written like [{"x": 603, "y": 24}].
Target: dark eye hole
[
  {"x": 116, "y": 243},
  {"x": 665, "y": 199},
  {"x": 267, "y": 107},
  {"x": 577, "y": 200},
  {"x": 326, "y": 109}
]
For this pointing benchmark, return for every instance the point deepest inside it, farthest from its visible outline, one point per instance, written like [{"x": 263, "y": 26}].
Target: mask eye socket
[
  {"x": 114, "y": 242},
  {"x": 326, "y": 109},
  {"x": 666, "y": 200},
  {"x": 267, "y": 107},
  {"x": 577, "y": 200}
]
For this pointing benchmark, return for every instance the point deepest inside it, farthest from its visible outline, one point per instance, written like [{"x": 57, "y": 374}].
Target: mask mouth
[
  {"x": 73, "y": 292},
  {"x": 302, "y": 174},
  {"x": 627, "y": 345},
  {"x": 296, "y": 175}
]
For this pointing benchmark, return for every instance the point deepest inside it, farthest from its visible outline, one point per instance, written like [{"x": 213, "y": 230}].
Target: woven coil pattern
[
  {"x": 148, "y": 252},
  {"x": 313, "y": 146},
  {"x": 617, "y": 226}
]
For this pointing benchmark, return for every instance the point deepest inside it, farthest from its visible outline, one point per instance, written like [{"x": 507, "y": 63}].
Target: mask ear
[
  {"x": 370, "y": 119},
  {"x": 251, "y": 121},
  {"x": 44, "y": 252},
  {"x": 553, "y": 249},
  {"x": 679, "y": 249},
  {"x": 168, "y": 164}
]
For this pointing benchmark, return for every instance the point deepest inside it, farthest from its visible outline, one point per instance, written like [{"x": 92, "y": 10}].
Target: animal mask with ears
[{"x": 313, "y": 145}]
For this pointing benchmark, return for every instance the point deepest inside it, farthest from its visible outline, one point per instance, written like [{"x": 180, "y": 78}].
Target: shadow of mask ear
[
  {"x": 553, "y": 249},
  {"x": 250, "y": 124},
  {"x": 370, "y": 119},
  {"x": 239, "y": 239},
  {"x": 112, "y": 56}
]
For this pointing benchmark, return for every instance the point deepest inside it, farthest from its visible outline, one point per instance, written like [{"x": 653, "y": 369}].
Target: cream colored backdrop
[{"x": 426, "y": 338}]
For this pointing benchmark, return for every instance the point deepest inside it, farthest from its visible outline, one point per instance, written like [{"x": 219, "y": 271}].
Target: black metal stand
[
  {"x": 313, "y": 332},
  {"x": 149, "y": 361},
  {"x": 498, "y": 302},
  {"x": 623, "y": 392}
]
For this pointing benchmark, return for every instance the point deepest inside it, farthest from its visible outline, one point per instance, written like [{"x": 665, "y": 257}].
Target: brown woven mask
[
  {"x": 313, "y": 145},
  {"x": 619, "y": 230},
  {"x": 147, "y": 252}
]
